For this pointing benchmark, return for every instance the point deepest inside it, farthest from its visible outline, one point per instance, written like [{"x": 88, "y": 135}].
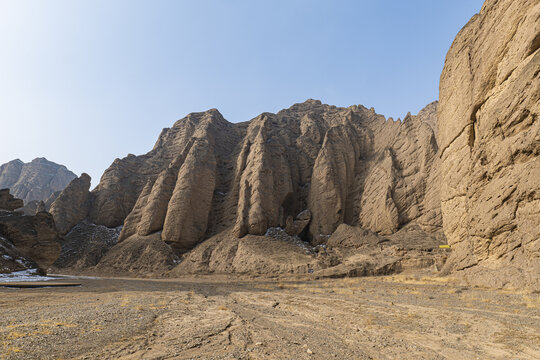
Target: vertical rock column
[
  {"x": 189, "y": 206},
  {"x": 265, "y": 182}
]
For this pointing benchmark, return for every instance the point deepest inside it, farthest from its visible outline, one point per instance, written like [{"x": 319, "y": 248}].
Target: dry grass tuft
[{"x": 532, "y": 302}]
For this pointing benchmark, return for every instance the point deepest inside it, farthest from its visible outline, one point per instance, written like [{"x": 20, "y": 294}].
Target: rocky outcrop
[
  {"x": 35, "y": 206},
  {"x": 231, "y": 197},
  {"x": 123, "y": 182},
  {"x": 306, "y": 169},
  {"x": 25, "y": 241},
  {"x": 296, "y": 226},
  {"x": 8, "y": 201},
  {"x": 11, "y": 259},
  {"x": 71, "y": 206},
  {"x": 351, "y": 251},
  {"x": 34, "y": 237},
  {"x": 361, "y": 252},
  {"x": 249, "y": 255},
  {"x": 383, "y": 186},
  {"x": 489, "y": 136},
  {"x": 178, "y": 200},
  {"x": 36, "y": 180}
]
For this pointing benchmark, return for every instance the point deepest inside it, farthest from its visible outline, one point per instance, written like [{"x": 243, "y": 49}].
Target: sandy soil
[{"x": 222, "y": 318}]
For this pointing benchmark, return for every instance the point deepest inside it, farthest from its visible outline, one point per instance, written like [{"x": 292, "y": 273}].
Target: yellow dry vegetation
[
  {"x": 16, "y": 335},
  {"x": 532, "y": 302},
  {"x": 49, "y": 323},
  {"x": 406, "y": 279}
]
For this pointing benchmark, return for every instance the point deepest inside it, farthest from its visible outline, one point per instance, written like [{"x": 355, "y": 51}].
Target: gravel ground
[{"x": 225, "y": 318}]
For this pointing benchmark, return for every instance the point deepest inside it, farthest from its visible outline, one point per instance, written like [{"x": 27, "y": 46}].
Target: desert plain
[{"x": 224, "y": 317}]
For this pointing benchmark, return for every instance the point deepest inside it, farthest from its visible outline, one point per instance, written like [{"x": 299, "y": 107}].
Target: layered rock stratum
[
  {"x": 489, "y": 135},
  {"x": 34, "y": 181}
]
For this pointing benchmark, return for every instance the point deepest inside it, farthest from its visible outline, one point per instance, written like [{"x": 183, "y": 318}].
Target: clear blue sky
[{"x": 84, "y": 82}]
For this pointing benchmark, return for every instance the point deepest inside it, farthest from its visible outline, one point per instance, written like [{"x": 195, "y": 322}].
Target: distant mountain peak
[{"x": 35, "y": 180}]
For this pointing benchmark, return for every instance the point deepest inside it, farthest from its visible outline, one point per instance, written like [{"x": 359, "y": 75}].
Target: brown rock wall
[{"x": 490, "y": 140}]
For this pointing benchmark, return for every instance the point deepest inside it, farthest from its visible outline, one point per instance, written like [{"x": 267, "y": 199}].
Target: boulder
[{"x": 297, "y": 225}]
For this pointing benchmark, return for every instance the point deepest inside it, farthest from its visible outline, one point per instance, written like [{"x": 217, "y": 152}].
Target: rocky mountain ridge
[
  {"x": 206, "y": 175},
  {"x": 210, "y": 191},
  {"x": 34, "y": 181}
]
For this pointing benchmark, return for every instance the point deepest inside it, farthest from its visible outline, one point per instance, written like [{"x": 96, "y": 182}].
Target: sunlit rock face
[
  {"x": 489, "y": 138},
  {"x": 306, "y": 169}
]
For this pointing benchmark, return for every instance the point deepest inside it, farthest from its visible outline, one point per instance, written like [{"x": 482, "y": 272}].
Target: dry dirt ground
[{"x": 395, "y": 317}]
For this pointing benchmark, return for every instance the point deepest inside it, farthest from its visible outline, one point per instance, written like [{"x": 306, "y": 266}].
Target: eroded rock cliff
[
  {"x": 489, "y": 136},
  {"x": 306, "y": 169}
]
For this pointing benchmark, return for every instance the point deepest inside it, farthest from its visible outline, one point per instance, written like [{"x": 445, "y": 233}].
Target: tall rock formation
[
  {"x": 71, "y": 206},
  {"x": 34, "y": 181},
  {"x": 205, "y": 175},
  {"x": 33, "y": 238},
  {"x": 489, "y": 135}
]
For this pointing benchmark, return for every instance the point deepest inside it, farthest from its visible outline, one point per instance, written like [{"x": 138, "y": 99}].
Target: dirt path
[{"x": 361, "y": 318}]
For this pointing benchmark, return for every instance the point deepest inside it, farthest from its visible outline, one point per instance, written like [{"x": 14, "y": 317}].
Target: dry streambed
[{"x": 360, "y": 318}]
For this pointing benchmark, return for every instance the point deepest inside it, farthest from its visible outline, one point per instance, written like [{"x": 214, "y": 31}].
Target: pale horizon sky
[{"x": 85, "y": 82}]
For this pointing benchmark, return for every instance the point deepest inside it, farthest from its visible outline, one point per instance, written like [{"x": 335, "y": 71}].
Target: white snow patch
[{"x": 24, "y": 275}]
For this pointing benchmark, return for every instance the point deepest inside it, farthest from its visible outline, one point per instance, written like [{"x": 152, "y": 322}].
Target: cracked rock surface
[{"x": 489, "y": 136}]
